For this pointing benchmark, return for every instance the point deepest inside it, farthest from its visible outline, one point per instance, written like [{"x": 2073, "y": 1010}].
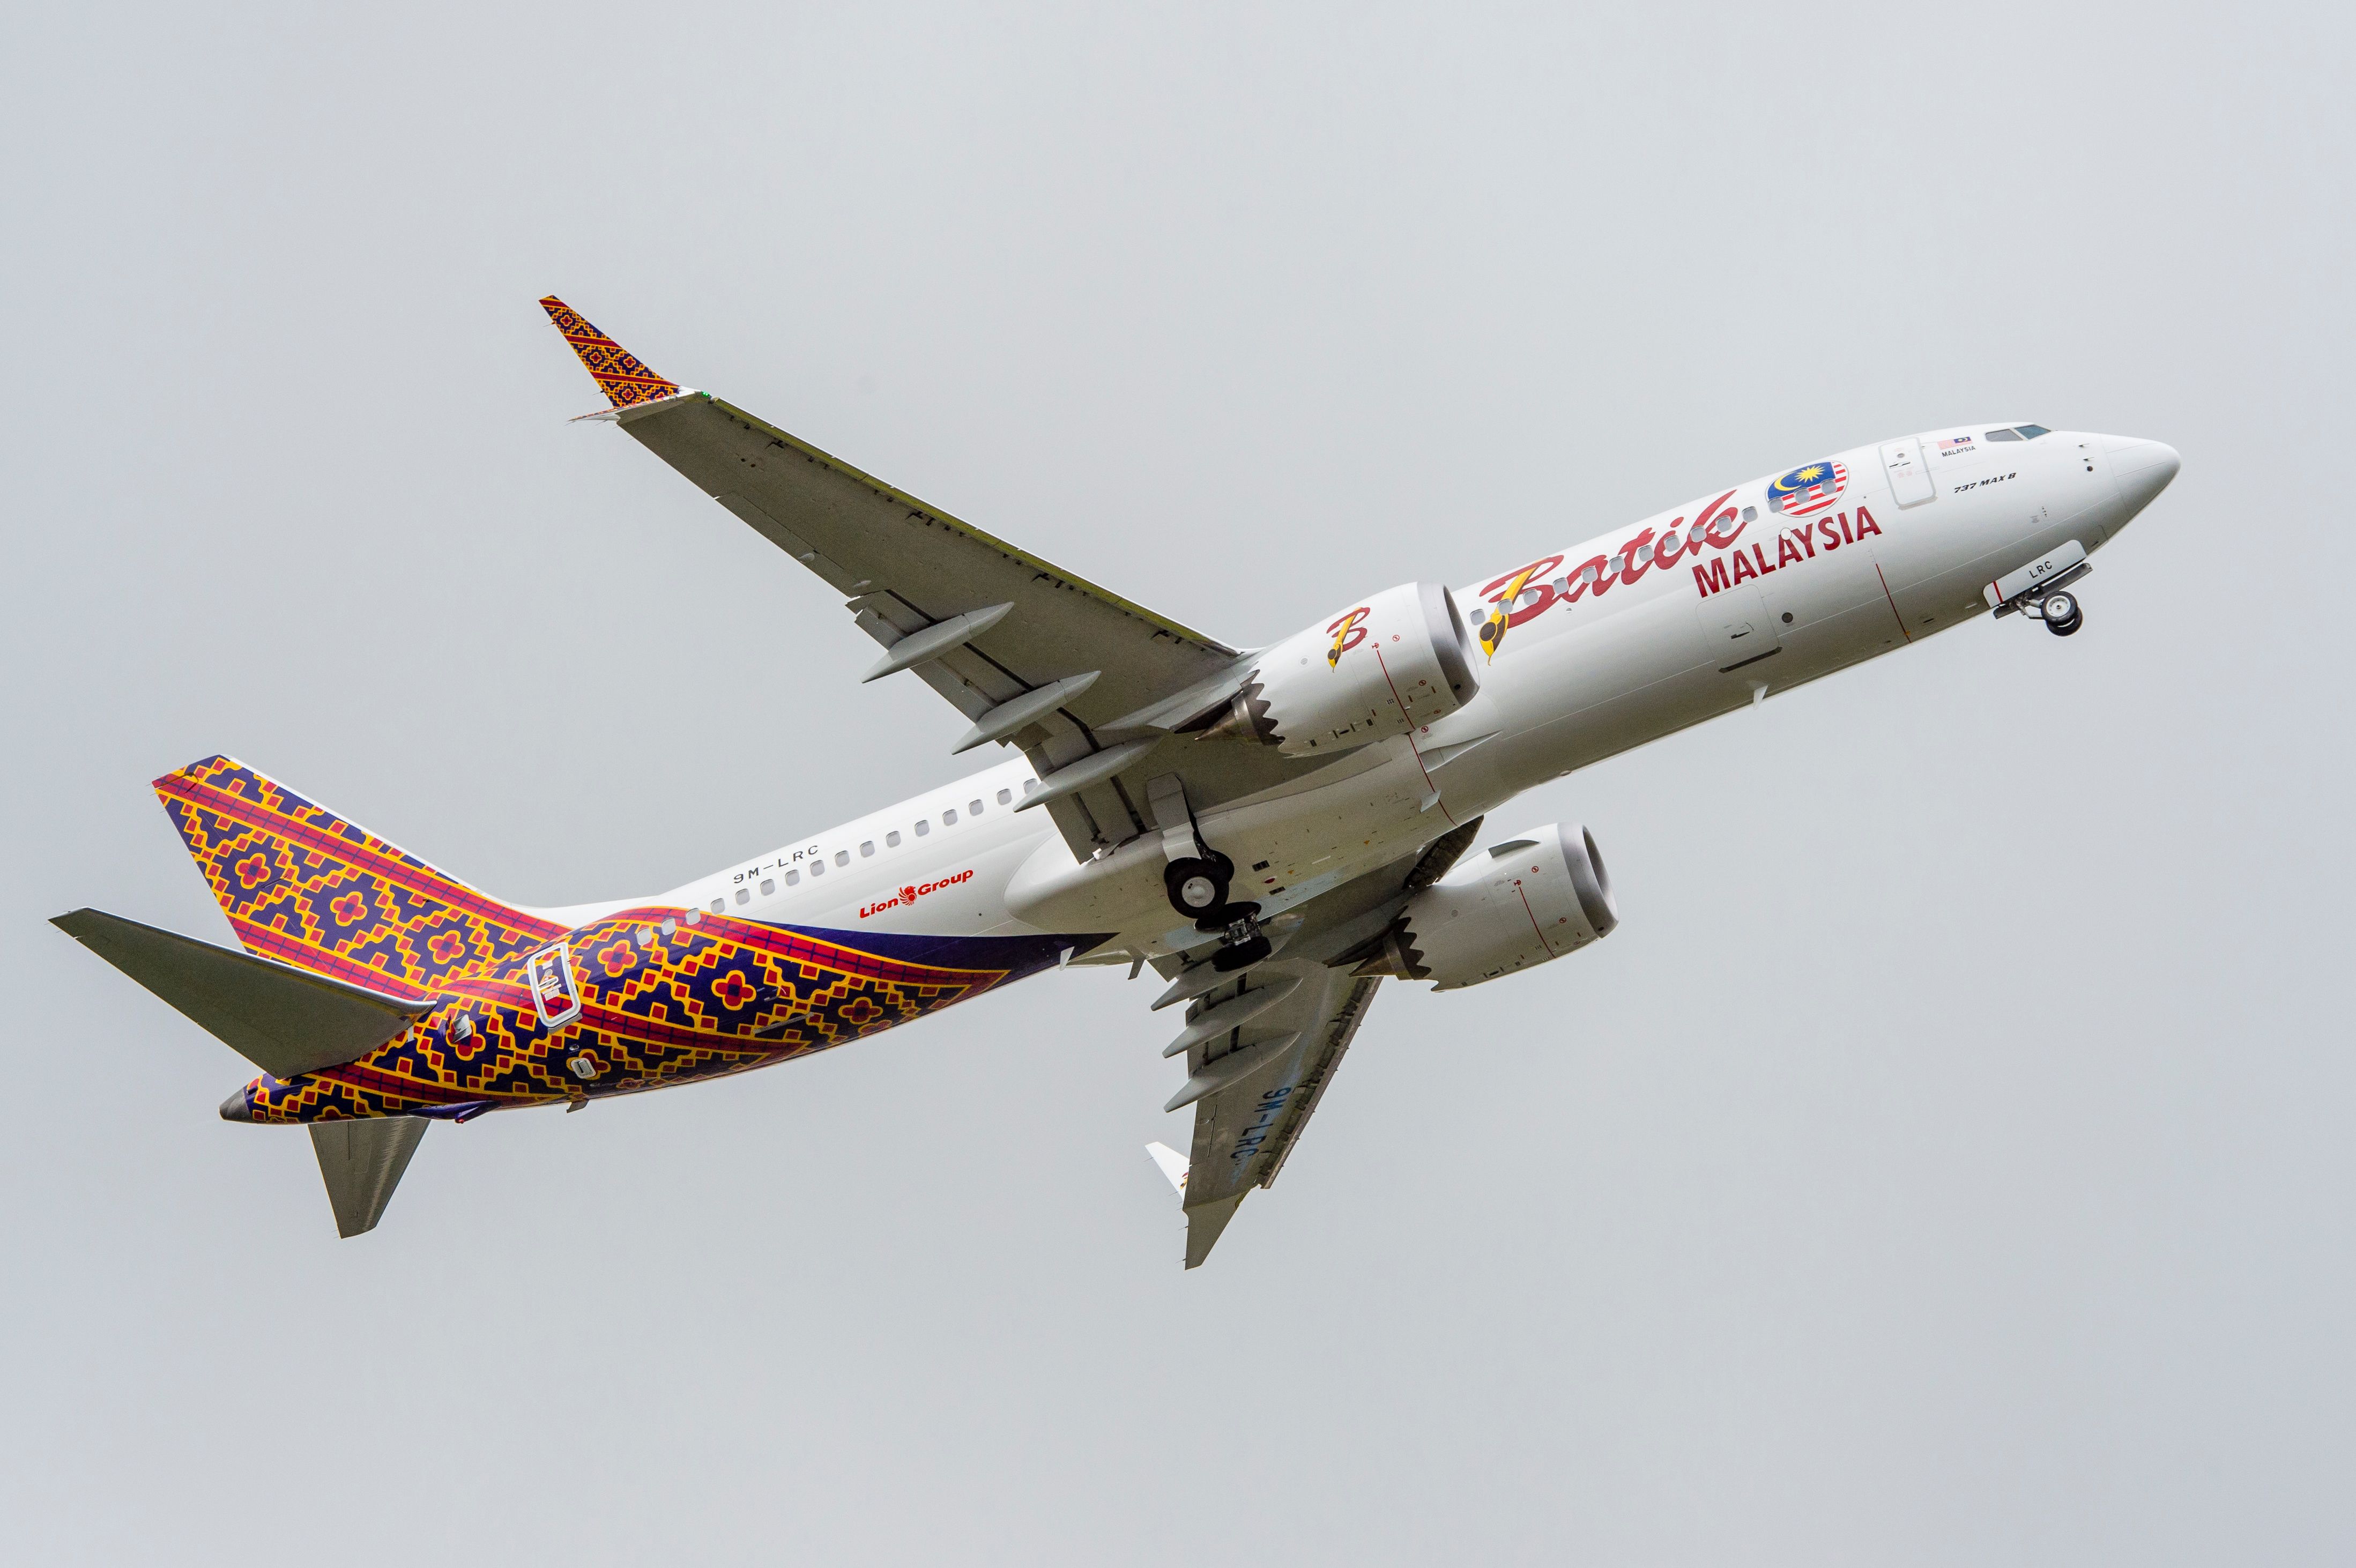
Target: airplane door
[{"x": 1910, "y": 482}]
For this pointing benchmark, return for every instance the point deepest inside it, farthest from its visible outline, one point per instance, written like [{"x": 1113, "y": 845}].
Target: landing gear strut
[{"x": 1197, "y": 885}]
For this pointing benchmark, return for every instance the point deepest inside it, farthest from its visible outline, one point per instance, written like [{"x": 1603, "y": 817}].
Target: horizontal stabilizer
[
  {"x": 280, "y": 1018},
  {"x": 362, "y": 1162}
]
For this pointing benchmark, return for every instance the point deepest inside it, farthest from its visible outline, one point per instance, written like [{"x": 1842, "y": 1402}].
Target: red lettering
[
  {"x": 1633, "y": 569},
  {"x": 1716, "y": 520},
  {"x": 1808, "y": 541},
  {"x": 1843, "y": 528},
  {"x": 1742, "y": 567},
  {"x": 1784, "y": 555},
  {"x": 1666, "y": 556},
  {"x": 1764, "y": 567},
  {"x": 1579, "y": 578},
  {"x": 1865, "y": 523},
  {"x": 1514, "y": 584},
  {"x": 1711, "y": 579},
  {"x": 1832, "y": 535}
]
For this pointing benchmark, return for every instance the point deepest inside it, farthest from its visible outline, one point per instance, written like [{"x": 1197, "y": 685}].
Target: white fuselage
[{"x": 1900, "y": 549}]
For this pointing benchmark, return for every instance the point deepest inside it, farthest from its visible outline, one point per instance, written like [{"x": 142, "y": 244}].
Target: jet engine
[
  {"x": 1500, "y": 911},
  {"x": 1377, "y": 670}
]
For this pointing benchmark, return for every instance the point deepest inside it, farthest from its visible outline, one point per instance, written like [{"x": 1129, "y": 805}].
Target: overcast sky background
[{"x": 1949, "y": 1161}]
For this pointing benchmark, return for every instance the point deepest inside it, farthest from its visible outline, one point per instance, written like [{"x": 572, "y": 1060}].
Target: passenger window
[
  {"x": 2031, "y": 432},
  {"x": 866, "y": 849},
  {"x": 1587, "y": 575},
  {"x": 743, "y": 896},
  {"x": 767, "y": 887},
  {"x": 793, "y": 879},
  {"x": 1029, "y": 784},
  {"x": 949, "y": 817},
  {"x": 973, "y": 808},
  {"x": 2003, "y": 436},
  {"x": 1616, "y": 564},
  {"x": 842, "y": 857},
  {"x": 817, "y": 868},
  {"x": 1005, "y": 796},
  {"x": 1751, "y": 514},
  {"x": 891, "y": 839},
  {"x": 695, "y": 916},
  {"x": 670, "y": 928},
  {"x": 720, "y": 905},
  {"x": 924, "y": 827},
  {"x": 1643, "y": 554},
  {"x": 646, "y": 936}
]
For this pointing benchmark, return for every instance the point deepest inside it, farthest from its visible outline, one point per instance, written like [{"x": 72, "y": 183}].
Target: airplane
[{"x": 1274, "y": 830}]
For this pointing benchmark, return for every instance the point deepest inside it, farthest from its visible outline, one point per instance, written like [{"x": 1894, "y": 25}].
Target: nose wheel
[{"x": 2062, "y": 614}]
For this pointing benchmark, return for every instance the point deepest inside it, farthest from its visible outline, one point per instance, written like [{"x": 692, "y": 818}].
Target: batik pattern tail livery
[
  {"x": 302, "y": 886},
  {"x": 622, "y": 375},
  {"x": 523, "y": 1010}
]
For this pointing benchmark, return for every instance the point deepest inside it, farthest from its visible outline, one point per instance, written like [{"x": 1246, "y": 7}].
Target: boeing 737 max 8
[{"x": 1273, "y": 831}]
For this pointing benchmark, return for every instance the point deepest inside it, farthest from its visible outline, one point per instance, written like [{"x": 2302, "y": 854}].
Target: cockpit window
[
  {"x": 2031, "y": 432},
  {"x": 2003, "y": 436}
]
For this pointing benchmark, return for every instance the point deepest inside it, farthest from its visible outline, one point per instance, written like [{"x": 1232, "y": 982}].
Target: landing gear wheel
[
  {"x": 1197, "y": 885},
  {"x": 1243, "y": 954},
  {"x": 2063, "y": 613}
]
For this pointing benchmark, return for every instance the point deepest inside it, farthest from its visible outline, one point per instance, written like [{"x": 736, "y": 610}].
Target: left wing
[{"x": 1087, "y": 683}]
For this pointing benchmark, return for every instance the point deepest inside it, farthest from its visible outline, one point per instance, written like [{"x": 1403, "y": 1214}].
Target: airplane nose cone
[
  {"x": 2142, "y": 469},
  {"x": 236, "y": 1109}
]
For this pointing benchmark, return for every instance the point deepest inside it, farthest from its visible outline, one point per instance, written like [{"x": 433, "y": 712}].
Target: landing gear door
[{"x": 1910, "y": 482}]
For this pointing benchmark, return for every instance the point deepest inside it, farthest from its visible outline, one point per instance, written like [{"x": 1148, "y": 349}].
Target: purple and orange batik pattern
[
  {"x": 620, "y": 374},
  {"x": 666, "y": 996}
]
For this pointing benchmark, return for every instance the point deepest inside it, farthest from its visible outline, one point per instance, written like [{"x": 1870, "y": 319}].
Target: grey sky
[{"x": 1948, "y": 1160}]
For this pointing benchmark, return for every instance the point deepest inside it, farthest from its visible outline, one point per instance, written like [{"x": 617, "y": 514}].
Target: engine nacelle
[
  {"x": 1501, "y": 910},
  {"x": 1379, "y": 668}
]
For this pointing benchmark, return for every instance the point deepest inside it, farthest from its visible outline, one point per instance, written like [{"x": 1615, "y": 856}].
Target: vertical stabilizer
[{"x": 303, "y": 886}]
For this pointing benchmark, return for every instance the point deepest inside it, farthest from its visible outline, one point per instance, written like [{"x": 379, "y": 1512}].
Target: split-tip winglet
[
  {"x": 1174, "y": 1165},
  {"x": 621, "y": 375}
]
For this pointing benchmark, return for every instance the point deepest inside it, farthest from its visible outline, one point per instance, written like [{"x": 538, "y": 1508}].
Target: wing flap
[
  {"x": 282, "y": 1019},
  {"x": 1284, "y": 1057}
]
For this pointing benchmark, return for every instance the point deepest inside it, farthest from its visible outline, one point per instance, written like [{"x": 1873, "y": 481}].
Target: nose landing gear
[
  {"x": 2037, "y": 592},
  {"x": 2062, "y": 614}
]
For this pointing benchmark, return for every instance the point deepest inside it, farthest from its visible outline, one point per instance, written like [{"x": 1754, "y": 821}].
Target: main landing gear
[{"x": 1197, "y": 885}]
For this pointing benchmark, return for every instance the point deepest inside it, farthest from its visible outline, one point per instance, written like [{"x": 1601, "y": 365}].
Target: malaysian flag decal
[{"x": 1810, "y": 488}]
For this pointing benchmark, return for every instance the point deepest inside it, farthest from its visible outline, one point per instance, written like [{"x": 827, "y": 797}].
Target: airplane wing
[
  {"x": 1262, "y": 1048},
  {"x": 1087, "y": 683},
  {"x": 1270, "y": 1074}
]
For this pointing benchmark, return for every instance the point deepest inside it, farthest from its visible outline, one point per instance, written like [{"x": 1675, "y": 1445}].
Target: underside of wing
[
  {"x": 1272, "y": 1072},
  {"x": 282, "y": 1019},
  {"x": 1087, "y": 683}
]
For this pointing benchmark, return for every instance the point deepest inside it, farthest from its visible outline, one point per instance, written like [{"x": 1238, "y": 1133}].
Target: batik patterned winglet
[{"x": 621, "y": 374}]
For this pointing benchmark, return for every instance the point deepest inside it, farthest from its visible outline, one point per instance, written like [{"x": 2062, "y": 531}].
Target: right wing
[
  {"x": 1284, "y": 1057},
  {"x": 1262, "y": 1048},
  {"x": 1085, "y": 681}
]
